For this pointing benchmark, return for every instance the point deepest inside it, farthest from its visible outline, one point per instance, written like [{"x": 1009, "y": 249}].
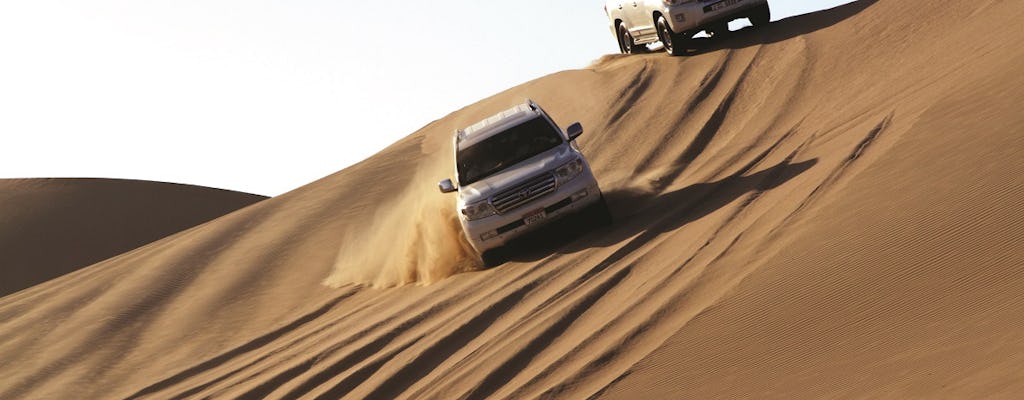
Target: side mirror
[
  {"x": 574, "y": 131},
  {"x": 446, "y": 186}
]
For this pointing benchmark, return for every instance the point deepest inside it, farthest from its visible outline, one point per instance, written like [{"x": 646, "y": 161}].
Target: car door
[
  {"x": 624, "y": 10},
  {"x": 631, "y": 11},
  {"x": 641, "y": 20}
]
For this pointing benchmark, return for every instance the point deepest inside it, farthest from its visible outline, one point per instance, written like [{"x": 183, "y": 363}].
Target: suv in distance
[
  {"x": 517, "y": 171},
  {"x": 635, "y": 23}
]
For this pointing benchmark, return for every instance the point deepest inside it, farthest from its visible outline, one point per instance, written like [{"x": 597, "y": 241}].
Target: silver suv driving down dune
[
  {"x": 636, "y": 23},
  {"x": 517, "y": 171}
]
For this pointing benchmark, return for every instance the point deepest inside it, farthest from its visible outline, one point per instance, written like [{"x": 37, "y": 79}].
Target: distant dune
[
  {"x": 829, "y": 207},
  {"x": 49, "y": 227}
]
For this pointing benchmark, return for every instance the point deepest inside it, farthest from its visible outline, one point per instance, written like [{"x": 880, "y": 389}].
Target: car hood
[{"x": 543, "y": 162}]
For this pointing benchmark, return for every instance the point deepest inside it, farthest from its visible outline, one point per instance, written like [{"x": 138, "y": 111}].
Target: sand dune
[
  {"x": 829, "y": 207},
  {"x": 49, "y": 227}
]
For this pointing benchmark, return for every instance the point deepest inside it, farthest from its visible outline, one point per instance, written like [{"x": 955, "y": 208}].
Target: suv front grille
[{"x": 524, "y": 193}]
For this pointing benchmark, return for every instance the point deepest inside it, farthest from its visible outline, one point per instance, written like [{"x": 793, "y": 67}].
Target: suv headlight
[
  {"x": 478, "y": 210},
  {"x": 566, "y": 172}
]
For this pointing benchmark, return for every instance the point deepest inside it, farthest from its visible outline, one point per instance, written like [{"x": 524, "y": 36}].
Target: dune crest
[{"x": 51, "y": 227}]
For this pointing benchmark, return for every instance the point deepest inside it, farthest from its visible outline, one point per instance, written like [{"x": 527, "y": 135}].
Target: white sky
[{"x": 264, "y": 96}]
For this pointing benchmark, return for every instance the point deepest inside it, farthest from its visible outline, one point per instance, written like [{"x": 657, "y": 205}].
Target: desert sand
[
  {"x": 50, "y": 227},
  {"x": 828, "y": 207}
]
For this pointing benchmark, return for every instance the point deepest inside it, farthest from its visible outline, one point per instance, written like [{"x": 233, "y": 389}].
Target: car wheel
[
  {"x": 598, "y": 214},
  {"x": 760, "y": 16},
  {"x": 675, "y": 44},
  {"x": 626, "y": 43},
  {"x": 493, "y": 258}
]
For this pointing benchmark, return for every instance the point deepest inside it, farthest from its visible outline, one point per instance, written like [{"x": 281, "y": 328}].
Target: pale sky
[{"x": 264, "y": 96}]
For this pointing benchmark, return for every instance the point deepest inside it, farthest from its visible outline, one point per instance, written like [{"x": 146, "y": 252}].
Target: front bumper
[
  {"x": 691, "y": 16},
  {"x": 497, "y": 230}
]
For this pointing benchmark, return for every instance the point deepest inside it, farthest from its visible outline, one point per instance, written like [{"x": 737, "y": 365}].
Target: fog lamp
[{"x": 579, "y": 195}]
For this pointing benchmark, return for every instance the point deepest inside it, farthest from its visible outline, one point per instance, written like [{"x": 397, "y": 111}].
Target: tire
[
  {"x": 626, "y": 43},
  {"x": 493, "y": 257},
  {"x": 598, "y": 214},
  {"x": 675, "y": 44},
  {"x": 760, "y": 16}
]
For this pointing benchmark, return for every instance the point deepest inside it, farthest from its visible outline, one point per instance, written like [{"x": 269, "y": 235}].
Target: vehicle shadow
[
  {"x": 640, "y": 217},
  {"x": 780, "y": 30}
]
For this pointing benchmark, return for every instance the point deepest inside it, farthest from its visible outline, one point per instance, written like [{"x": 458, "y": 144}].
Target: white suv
[
  {"x": 517, "y": 171},
  {"x": 635, "y": 23}
]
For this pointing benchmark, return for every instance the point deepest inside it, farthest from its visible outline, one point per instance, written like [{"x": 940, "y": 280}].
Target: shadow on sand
[
  {"x": 778, "y": 31},
  {"x": 647, "y": 215}
]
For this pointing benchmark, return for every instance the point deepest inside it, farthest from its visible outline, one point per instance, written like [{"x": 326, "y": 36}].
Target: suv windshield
[{"x": 506, "y": 149}]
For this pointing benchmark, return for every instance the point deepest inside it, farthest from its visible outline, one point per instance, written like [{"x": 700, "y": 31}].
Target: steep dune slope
[
  {"x": 902, "y": 279},
  {"x": 834, "y": 199},
  {"x": 49, "y": 227}
]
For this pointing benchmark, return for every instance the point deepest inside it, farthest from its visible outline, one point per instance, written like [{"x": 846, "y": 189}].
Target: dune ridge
[
  {"x": 50, "y": 227},
  {"x": 826, "y": 207}
]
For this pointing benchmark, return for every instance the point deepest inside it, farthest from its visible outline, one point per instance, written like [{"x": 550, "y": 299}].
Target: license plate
[
  {"x": 534, "y": 216},
  {"x": 720, "y": 5}
]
